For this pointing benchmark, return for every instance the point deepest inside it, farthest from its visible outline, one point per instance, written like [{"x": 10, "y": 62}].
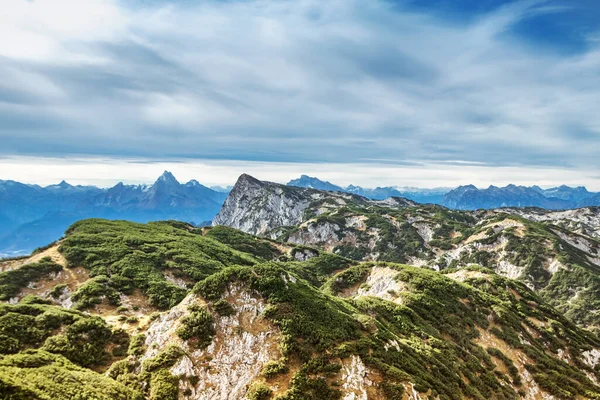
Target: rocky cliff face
[{"x": 259, "y": 207}]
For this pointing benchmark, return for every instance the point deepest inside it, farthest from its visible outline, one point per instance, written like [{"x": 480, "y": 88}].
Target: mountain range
[
  {"x": 32, "y": 216},
  {"x": 470, "y": 197},
  {"x": 303, "y": 294},
  {"x": 559, "y": 198},
  {"x": 434, "y": 196}
]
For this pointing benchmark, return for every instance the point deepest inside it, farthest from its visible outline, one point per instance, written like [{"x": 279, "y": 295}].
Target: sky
[{"x": 397, "y": 92}]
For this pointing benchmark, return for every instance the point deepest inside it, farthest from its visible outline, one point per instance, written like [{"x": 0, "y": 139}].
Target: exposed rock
[
  {"x": 591, "y": 357},
  {"x": 317, "y": 234},
  {"x": 424, "y": 230},
  {"x": 304, "y": 254},
  {"x": 583, "y": 220},
  {"x": 244, "y": 342},
  {"x": 381, "y": 283},
  {"x": 355, "y": 380},
  {"x": 257, "y": 207}
]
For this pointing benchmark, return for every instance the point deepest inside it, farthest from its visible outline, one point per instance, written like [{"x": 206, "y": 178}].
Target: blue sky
[{"x": 410, "y": 85}]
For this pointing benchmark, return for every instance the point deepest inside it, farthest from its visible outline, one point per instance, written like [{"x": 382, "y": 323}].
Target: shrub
[
  {"x": 11, "y": 282},
  {"x": 259, "y": 391},
  {"x": 199, "y": 326},
  {"x": 223, "y": 308}
]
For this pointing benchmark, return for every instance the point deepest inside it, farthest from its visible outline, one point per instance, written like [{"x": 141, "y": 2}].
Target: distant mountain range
[
  {"x": 434, "y": 196},
  {"x": 31, "y": 215},
  {"x": 563, "y": 197},
  {"x": 469, "y": 197}
]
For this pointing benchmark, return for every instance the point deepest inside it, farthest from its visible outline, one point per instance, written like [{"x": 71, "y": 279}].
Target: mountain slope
[
  {"x": 174, "y": 311},
  {"x": 556, "y": 254}
]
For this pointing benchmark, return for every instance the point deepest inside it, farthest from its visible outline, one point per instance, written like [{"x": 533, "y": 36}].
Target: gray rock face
[{"x": 258, "y": 207}]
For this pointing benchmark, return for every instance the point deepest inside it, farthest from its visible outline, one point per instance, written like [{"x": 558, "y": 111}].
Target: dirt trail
[{"x": 51, "y": 252}]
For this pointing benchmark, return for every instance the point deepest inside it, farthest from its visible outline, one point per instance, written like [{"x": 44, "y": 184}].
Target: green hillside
[{"x": 153, "y": 300}]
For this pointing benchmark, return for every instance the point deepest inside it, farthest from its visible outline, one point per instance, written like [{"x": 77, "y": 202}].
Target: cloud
[{"x": 295, "y": 81}]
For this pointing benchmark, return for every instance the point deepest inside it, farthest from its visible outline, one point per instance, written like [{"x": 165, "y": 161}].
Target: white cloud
[
  {"x": 45, "y": 30},
  {"x": 302, "y": 80}
]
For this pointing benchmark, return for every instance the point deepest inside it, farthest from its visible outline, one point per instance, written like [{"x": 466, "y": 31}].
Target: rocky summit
[{"x": 259, "y": 207}]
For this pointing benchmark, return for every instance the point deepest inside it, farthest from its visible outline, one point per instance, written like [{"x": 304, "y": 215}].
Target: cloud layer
[{"x": 298, "y": 81}]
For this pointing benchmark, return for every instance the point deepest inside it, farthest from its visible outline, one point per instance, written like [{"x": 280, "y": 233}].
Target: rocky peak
[
  {"x": 193, "y": 183},
  {"x": 167, "y": 178},
  {"x": 256, "y": 207},
  {"x": 246, "y": 180},
  {"x": 259, "y": 207}
]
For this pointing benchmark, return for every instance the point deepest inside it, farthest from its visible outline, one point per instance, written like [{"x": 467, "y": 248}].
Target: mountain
[
  {"x": 563, "y": 192},
  {"x": 471, "y": 198},
  {"x": 315, "y": 183},
  {"x": 556, "y": 254},
  {"x": 593, "y": 200},
  {"x": 258, "y": 207},
  {"x": 563, "y": 197},
  {"x": 224, "y": 189},
  {"x": 379, "y": 193},
  {"x": 120, "y": 310},
  {"x": 33, "y": 216}
]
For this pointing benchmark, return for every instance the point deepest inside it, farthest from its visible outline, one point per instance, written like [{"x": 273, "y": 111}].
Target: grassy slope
[
  {"x": 436, "y": 328},
  {"x": 398, "y": 241}
]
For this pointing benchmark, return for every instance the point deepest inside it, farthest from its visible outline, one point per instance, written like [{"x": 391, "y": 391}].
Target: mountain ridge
[
  {"x": 469, "y": 197},
  {"x": 258, "y": 207},
  {"x": 555, "y": 253}
]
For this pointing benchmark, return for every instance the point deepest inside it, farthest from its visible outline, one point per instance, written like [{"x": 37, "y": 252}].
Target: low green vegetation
[
  {"x": 122, "y": 256},
  {"x": 11, "y": 282},
  {"x": 259, "y": 391},
  {"x": 38, "y": 374},
  {"x": 44, "y": 349},
  {"x": 244, "y": 242},
  {"x": 197, "y": 327},
  {"x": 440, "y": 335}
]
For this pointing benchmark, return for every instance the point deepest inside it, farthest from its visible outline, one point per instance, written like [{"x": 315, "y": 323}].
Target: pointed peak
[
  {"x": 63, "y": 184},
  {"x": 167, "y": 177},
  {"x": 245, "y": 178}
]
